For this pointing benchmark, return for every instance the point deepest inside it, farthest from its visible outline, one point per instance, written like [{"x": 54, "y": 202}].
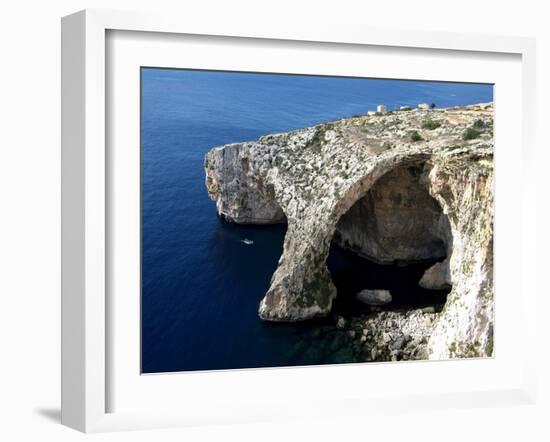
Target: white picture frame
[{"x": 86, "y": 356}]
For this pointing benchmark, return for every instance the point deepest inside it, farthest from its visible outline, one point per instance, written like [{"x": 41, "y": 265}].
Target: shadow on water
[
  {"x": 319, "y": 341},
  {"x": 352, "y": 273}
]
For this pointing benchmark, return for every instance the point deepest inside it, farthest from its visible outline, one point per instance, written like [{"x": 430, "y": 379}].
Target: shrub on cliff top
[
  {"x": 415, "y": 136},
  {"x": 431, "y": 124},
  {"x": 479, "y": 124},
  {"x": 318, "y": 139},
  {"x": 471, "y": 134}
]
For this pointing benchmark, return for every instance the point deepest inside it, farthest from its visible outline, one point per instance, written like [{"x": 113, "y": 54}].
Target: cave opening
[{"x": 394, "y": 239}]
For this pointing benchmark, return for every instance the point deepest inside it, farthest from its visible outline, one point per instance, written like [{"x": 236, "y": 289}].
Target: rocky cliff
[{"x": 401, "y": 186}]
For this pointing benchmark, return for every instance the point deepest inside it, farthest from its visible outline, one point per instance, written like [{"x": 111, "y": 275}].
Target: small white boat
[{"x": 247, "y": 241}]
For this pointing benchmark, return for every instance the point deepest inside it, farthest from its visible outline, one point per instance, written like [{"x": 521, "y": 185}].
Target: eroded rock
[{"x": 437, "y": 277}]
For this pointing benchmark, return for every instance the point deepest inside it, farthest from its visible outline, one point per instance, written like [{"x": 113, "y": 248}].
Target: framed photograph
[{"x": 271, "y": 222}]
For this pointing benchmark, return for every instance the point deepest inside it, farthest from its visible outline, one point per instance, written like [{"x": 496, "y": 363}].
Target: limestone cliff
[{"x": 402, "y": 186}]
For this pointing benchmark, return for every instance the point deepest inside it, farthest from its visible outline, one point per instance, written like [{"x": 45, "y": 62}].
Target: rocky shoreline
[
  {"x": 384, "y": 336},
  {"x": 389, "y": 335}
]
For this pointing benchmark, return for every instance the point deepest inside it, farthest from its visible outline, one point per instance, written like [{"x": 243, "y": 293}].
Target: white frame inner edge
[{"x": 97, "y": 384}]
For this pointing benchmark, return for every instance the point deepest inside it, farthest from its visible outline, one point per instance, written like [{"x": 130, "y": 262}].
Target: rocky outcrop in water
[
  {"x": 403, "y": 186},
  {"x": 437, "y": 277},
  {"x": 374, "y": 297}
]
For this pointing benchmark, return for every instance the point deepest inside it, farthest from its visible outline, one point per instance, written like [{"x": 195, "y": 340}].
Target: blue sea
[{"x": 201, "y": 285}]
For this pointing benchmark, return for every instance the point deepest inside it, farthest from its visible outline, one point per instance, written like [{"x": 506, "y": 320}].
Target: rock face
[
  {"x": 365, "y": 183},
  {"x": 437, "y": 277},
  {"x": 397, "y": 220},
  {"x": 247, "y": 199},
  {"x": 374, "y": 297}
]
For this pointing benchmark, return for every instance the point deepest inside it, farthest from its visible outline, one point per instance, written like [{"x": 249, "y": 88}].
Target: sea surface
[{"x": 201, "y": 285}]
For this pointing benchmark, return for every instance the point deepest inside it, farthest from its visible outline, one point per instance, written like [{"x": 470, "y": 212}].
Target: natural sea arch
[{"x": 302, "y": 287}]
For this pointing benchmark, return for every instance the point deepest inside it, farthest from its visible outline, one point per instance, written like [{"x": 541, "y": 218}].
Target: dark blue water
[{"x": 200, "y": 284}]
